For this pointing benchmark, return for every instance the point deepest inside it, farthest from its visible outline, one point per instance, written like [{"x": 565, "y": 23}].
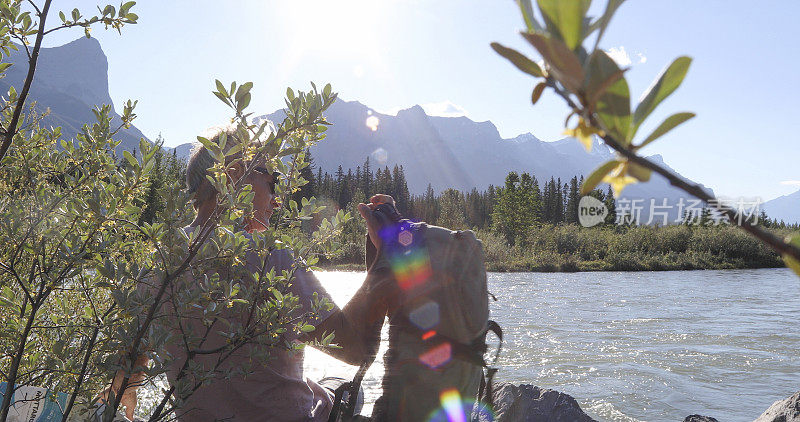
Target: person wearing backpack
[{"x": 431, "y": 284}]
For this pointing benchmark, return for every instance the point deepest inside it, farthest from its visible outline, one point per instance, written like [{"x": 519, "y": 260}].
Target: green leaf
[
  {"x": 663, "y": 86},
  {"x": 244, "y": 102},
  {"x": 527, "y": 15},
  {"x": 597, "y": 176},
  {"x": 222, "y": 98},
  {"x": 221, "y": 88},
  {"x": 564, "y": 64},
  {"x": 4, "y": 66},
  {"x": 518, "y": 59},
  {"x": 307, "y": 328},
  {"x": 537, "y": 92},
  {"x": 601, "y": 73},
  {"x": 131, "y": 159},
  {"x": 670, "y": 123},
  {"x": 564, "y": 19},
  {"x": 243, "y": 89},
  {"x": 62, "y": 16},
  {"x": 125, "y": 7},
  {"x": 613, "y": 104}
]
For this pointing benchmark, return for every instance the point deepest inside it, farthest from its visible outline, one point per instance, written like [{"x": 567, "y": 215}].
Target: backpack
[{"x": 437, "y": 334}]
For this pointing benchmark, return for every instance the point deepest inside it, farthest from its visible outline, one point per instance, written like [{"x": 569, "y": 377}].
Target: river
[{"x": 635, "y": 346}]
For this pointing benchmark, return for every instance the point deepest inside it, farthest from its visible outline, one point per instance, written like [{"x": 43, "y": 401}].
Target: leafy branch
[{"x": 595, "y": 89}]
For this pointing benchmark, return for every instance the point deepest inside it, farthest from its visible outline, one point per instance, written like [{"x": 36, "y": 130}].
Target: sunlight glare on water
[
  {"x": 634, "y": 346},
  {"x": 342, "y": 285}
]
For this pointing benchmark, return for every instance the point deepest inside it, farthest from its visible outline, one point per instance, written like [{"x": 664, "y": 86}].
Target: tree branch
[
  {"x": 11, "y": 130},
  {"x": 774, "y": 242}
]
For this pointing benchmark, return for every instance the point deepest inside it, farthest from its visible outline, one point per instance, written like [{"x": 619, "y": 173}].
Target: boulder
[
  {"x": 786, "y": 410},
  {"x": 699, "y": 418},
  {"x": 532, "y": 404}
]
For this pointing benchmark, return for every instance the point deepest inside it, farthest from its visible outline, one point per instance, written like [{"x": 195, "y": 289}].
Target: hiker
[
  {"x": 276, "y": 390},
  {"x": 431, "y": 284}
]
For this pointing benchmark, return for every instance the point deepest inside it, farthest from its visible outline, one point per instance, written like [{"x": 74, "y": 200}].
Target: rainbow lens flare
[
  {"x": 437, "y": 356},
  {"x": 451, "y": 403},
  {"x": 455, "y": 409},
  {"x": 411, "y": 269},
  {"x": 409, "y": 260}
]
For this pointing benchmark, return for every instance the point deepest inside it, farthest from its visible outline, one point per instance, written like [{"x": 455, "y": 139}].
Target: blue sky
[{"x": 391, "y": 54}]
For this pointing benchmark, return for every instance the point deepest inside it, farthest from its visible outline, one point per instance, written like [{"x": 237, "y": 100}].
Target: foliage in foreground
[
  {"x": 94, "y": 263},
  {"x": 596, "y": 91}
]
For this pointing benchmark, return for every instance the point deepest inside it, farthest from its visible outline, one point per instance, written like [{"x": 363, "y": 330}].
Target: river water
[{"x": 635, "y": 346}]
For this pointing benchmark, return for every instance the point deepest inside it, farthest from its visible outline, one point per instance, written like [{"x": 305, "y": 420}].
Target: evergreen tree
[
  {"x": 366, "y": 184},
  {"x": 558, "y": 202},
  {"x": 573, "y": 199},
  {"x": 611, "y": 206},
  {"x": 490, "y": 198},
  {"x": 515, "y": 211},
  {"x": 153, "y": 199},
  {"x": 400, "y": 189},
  {"x": 430, "y": 206},
  {"x": 318, "y": 191},
  {"x": 452, "y": 210},
  {"x": 338, "y": 188}
]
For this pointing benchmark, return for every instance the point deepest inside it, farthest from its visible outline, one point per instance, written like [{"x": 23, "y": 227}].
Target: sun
[{"x": 335, "y": 27}]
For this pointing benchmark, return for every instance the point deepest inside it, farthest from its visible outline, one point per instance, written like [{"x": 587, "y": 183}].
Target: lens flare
[
  {"x": 429, "y": 334},
  {"x": 451, "y": 403},
  {"x": 409, "y": 261},
  {"x": 405, "y": 238},
  {"x": 463, "y": 409},
  {"x": 437, "y": 356},
  {"x": 411, "y": 270},
  {"x": 380, "y": 155},
  {"x": 373, "y": 122},
  {"x": 425, "y": 316}
]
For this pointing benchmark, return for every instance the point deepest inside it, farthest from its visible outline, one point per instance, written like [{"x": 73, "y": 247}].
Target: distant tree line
[
  {"x": 510, "y": 209},
  {"x": 520, "y": 218}
]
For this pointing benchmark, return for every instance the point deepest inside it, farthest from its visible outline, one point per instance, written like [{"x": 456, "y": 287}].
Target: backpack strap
[
  {"x": 345, "y": 411},
  {"x": 337, "y": 401}
]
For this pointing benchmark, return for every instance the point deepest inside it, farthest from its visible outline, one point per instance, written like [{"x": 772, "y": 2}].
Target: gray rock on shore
[
  {"x": 699, "y": 418},
  {"x": 786, "y": 410},
  {"x": 527, "y": 403}
]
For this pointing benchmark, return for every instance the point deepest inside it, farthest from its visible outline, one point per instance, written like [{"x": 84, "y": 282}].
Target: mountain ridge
[
  {"x": 475, "y": 155},
  {"x": 786, "y": 208},
  {"x": 70, "y": 81}
]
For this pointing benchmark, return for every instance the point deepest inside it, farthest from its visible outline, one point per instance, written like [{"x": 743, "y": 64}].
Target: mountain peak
[
  {"x": 83, "y": 42},
  {"x": 71, "y": 79},
  {"x": 415, "y": 110}
]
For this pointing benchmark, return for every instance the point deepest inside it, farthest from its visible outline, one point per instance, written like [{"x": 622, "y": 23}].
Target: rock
[
  {"x": 786, "y": 410},
  {"x": 699, "y": 418},
  {"x": 528, "y": 403}
]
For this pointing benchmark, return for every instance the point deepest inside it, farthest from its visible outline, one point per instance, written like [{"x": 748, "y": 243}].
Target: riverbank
[
  {"x": 571, "y": 248},
  {"x": 527, "y": 402}
]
